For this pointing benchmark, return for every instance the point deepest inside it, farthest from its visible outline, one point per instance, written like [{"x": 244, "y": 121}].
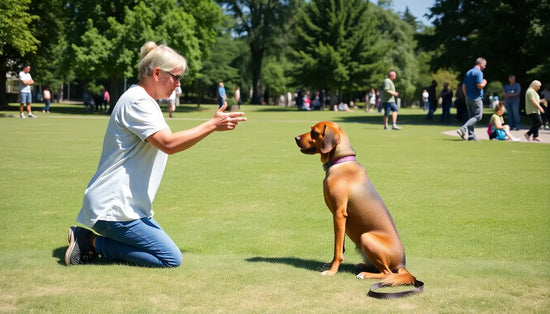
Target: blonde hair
[
  {"x": 534, "y": 84},
  {"x": 161, "y": 56}
]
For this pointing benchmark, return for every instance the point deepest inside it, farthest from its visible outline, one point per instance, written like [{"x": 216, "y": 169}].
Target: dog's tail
[{"x": 402, "y": 277}]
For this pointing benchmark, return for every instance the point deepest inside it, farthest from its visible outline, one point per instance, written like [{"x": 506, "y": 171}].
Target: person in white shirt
[
  {"x": 25, "y": 91},
  {"x": 118, "y": 200},
  {"x": 173, "y": 101}
]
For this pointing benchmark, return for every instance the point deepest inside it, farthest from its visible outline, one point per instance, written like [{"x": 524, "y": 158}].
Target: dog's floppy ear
[{"x": 330, "y": 140}]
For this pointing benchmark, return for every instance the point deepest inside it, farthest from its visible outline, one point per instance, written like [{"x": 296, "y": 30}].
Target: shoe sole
[
  {"x": 461, "y": 134},
  {"x": 72, "y": 242}
]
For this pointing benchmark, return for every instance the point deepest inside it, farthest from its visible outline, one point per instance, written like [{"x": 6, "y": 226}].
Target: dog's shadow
[{"x": 311, "y": 265}]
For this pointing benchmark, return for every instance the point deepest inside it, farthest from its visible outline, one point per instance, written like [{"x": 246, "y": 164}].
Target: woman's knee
[{"x": 174, "y": 260}]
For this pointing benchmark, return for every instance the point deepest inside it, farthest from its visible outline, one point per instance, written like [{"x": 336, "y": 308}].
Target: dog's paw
[
  {"x": 326, "y": 266},
  {"x": 360, "y": 276},
  {"x": 328, "y": 273}
]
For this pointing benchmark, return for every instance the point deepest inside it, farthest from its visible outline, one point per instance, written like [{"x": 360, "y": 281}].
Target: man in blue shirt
[
  {"x": 511, "y": 101},
  {"x": 472, "y": 87},
  {"x": 222, "y": 98}
]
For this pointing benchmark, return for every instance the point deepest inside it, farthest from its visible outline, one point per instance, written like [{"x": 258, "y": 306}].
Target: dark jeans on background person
[
  {"x": 46, "y": 105},
  {"x": 446, "y": 113},
  {"x": 512, "y": 109},
  {"x": 536, "y": 122}
]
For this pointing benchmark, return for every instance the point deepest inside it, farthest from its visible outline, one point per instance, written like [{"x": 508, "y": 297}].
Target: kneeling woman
[{"x": 118, "y": 200}]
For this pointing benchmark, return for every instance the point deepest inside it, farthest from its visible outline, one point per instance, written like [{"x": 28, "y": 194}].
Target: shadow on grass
[
  {"x": 59, "y": 253},
  {"x": 78, "y": 109},
  {"x": 302, "y": 263}
]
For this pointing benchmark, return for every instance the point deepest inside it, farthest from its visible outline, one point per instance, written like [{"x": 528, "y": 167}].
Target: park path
[{"x": 481, "y": 133}]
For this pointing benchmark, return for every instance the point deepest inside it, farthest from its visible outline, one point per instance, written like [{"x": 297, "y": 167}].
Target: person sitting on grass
[
  {"x": 499, "y": 130},
  {"x": 118, "y": 201}
]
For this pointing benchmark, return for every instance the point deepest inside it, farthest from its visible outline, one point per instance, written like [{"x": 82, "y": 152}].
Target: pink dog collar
[{"x": 339, "y": 161}]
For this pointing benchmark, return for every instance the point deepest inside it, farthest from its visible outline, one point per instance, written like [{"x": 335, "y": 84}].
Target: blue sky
[{"x": 417, "y": 7}]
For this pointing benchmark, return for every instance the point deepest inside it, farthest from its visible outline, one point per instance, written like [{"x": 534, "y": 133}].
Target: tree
[
  {"x": 337, "y": 47},
  {"x": 218, "y": 67},
  {"x": 511, "y": 35},
  {"x": 16, "y": 39},
  {"x": 410, "y": 19},
  {"x": 261, "y": 23},
  {"x": 107, "y": 35},
  {"x": 397, "y": 38}
]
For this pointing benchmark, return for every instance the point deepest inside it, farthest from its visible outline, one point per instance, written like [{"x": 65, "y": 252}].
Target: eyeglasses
[{"x": 175, "y": 77}]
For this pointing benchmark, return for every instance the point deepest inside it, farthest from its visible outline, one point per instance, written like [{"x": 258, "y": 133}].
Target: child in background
[{"x": 499, "y": 130}]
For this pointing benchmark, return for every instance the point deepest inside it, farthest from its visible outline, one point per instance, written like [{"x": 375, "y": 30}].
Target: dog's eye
[{"x": 313, "y": 133}]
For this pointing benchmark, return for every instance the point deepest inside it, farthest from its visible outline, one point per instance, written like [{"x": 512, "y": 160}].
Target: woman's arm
[{"x": 172, "y": 143}]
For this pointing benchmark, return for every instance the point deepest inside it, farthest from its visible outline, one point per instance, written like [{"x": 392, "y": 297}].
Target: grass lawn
[{"x": 246, "y": 209}]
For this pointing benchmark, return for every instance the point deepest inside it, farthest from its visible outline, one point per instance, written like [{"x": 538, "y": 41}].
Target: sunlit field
[{"x": 246, "y": 209}]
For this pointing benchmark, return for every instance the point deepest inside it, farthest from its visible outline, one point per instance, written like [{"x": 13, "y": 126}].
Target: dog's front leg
[{"x": 339, "y": 219}]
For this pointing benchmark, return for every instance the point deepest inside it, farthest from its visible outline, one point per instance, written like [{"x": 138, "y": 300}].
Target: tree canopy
[
  {"x": 336, "y": 46},
  {"x": 512, "y": 35},
  {"x": 271, "y": 47}
]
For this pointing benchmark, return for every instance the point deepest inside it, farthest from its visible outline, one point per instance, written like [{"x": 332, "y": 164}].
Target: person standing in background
[
  {"x": 47, "y": 94},
  {"x": 511, "y": 101},
  {"x": 388, "y": 99},
  {"x": 106, "y": 99},
  {"x": 446, "y": 95},
  {"x": 238, "y": 96},
  {"x": 222, "y": 97},
  {"x": 432, "y": 100},
  {"x": 25, "y": 91},
  {"x": 546, "y": 97},
  {"x": 425, "y": 102},
  {"x": 472, "y": 87}
]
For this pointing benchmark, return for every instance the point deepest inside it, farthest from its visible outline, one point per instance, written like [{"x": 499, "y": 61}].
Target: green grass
[{"x": 246, "y": 208}]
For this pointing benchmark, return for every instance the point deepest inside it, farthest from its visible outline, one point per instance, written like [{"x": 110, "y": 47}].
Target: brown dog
[{"x": 357, "y": 210}]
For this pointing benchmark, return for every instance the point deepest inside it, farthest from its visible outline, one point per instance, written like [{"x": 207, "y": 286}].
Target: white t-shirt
[
  {"x": 372, "y": 98},
  {"x": 130, "y": 169},
  {"x": 24, "y": 88}
]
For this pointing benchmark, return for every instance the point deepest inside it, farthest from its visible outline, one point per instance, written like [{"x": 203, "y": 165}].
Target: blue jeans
[
  {"x": 475, "y": 113},
  {"x": 140, "y": 242},
  {"x": 512, "y": 109},
  {"x": 46, "y": 105}
]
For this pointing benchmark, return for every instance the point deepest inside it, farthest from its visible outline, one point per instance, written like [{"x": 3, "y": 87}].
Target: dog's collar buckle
[{"x": 338, "y": 161}]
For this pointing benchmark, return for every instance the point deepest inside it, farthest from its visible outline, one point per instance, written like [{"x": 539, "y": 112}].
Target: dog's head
[{"x": 324, "y": 138}]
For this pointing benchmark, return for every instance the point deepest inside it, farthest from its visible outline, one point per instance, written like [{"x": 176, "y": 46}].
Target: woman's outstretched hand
[{"x": 227, "y": 120}]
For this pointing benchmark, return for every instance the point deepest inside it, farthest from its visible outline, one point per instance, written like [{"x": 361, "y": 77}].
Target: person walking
[
  {"x": 117, "y": 203},
  {"x": 388, "y": 99},
  {"x": 533, "y": 109},
  {"x": 25, "y": 91},
  {"x": 511, "y": 101},
  {"x": 472, "y": 88}
]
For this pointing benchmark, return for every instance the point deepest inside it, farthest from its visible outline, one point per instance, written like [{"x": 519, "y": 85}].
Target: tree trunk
[
  {"x": 3, "y": 92},
  {"x": 257, "y": 58}
]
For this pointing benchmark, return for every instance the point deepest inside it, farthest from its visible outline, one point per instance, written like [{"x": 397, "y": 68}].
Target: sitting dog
[{"x": 358, "y": 211}]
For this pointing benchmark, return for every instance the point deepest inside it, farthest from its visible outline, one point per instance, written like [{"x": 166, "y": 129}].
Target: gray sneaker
[
  {"x": 396, "y": 127},
  {"x": 461, "y": 133},
  {"x": 80, "y": 246}
]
